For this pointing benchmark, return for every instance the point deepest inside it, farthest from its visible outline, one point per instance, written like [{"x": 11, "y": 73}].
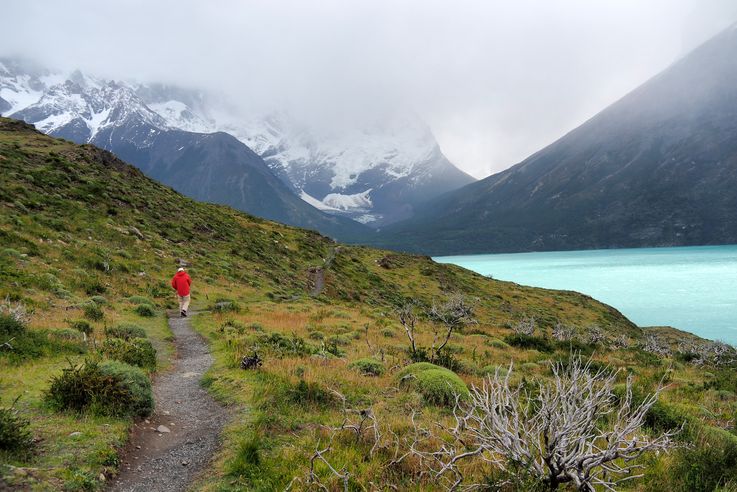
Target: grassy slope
[{"x": 75, "y": 212}]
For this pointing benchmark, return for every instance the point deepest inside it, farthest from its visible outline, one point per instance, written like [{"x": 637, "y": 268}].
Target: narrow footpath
[{"x": 167, "y": 451}]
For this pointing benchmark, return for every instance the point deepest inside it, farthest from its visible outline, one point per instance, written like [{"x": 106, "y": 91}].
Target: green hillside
[{"x": 87, "y": 239}]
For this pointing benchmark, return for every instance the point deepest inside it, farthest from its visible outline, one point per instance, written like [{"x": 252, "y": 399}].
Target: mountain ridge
[{"x": 654, "y": 168}]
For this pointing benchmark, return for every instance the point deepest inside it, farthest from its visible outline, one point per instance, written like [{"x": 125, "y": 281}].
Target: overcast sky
[{"x": 495, "y": 80}]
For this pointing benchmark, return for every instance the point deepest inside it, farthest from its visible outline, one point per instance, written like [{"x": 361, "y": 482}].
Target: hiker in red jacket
[{"x": 181, "y": 282}]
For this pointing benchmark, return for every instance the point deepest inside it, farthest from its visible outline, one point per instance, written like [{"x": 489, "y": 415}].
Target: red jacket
[{"x": 181, "y": 283}]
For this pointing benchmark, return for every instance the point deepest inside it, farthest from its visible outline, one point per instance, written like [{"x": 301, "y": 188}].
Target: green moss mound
[
  {"x": 368, "y": 366},
  {"x": 437, "y": 385},
  {"x": 136, "y": 352},
  {"x": 108, "y": 388}
]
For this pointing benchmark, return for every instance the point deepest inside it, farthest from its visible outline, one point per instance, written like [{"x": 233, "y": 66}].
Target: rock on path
[{"x": 156, "y": 460}]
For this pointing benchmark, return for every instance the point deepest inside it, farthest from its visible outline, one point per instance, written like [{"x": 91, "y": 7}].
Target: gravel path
[{"x": 157, "y": 460}]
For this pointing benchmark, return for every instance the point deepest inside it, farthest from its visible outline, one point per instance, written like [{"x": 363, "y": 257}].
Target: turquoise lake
[{"x": 691, "y": 288}]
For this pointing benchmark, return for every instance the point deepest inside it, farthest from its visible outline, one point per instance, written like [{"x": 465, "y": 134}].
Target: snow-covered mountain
[
  {"x": 376, "y": 175},
  {"x": 157, "y": 138}
]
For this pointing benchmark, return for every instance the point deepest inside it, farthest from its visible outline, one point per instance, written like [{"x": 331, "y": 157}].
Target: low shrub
[
  {"x": 20, "y": 344},
  {"x": 125, "y": 331},
  {"x": 255, "y": 326},
  {"x": 145, "y": 310},
  {"x": 222, "y": 305},
  {"x": 11, "y": 327},
  {"x": 340, "y": 340},
  {"x": 16, "y": 438},
  {"x": 368, "y": 366},
  {"x": 388, "y": 333},
  {"x": 93, "y": 312},
  {"x": 140, "y": 300},
  {"x": 99, "y": 300},
  {"x": 316, "y": 335},
  {"x": 233, "y": 325},
  {"x": 82, "y": 326},
  {"x": 66, "y": 334},
  {"x": 437, "y": 385},
  {"x": 491, "y": 369},
  {"x": 496, "y": 343},
  {"x": 108, "y": 388},
  {"x": 284, "y": 346},
  {"x": 304, "y": 393},
  {"x": 522, "y": 341},
  {"x": 136, "y": 352}
]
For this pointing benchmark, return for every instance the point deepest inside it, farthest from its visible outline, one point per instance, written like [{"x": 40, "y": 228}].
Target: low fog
[{"x": 494, "y": 80}]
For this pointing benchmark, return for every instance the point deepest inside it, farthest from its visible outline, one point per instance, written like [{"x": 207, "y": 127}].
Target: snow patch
[
  {"x": 316, "y": 203},
  {"x": 355, "y": 202},
  {"x": 179, "y": 115},
  {"x": 367, "y": 218}
]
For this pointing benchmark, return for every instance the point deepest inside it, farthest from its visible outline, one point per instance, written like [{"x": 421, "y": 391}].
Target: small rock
[
  {"x": 162, "y": 429},
  {"x": 102, "y": 477},
  {"x": 138, "y": 447},
  {"x": 147, "y": 421},
  {"x": 185, "y": 463},
  {"x": 75, "y": 434}
]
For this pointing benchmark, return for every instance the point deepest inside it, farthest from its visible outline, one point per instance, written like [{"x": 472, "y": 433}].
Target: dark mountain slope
[
  {"x": 218, "y": 168},
  {"x": 657, "y": 168}
]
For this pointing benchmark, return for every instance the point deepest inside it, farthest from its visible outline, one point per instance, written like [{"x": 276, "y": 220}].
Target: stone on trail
[{"x": 162, "y": 429}]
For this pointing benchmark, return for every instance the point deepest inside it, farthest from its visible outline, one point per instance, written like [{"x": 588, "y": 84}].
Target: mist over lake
[{"x": 690, "y": 288}]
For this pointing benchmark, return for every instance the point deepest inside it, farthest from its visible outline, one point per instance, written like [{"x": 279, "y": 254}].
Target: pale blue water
[{"x": 691, "y": 288}]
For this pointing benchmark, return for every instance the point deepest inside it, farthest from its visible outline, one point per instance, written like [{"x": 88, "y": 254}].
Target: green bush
[
  {"x": 529, "y": 342},
  {"x": 491, "y": 370},
  {"x": 340, "y": 340},
  {"x": 82, "y": 326},
  {"x": 316, "y": 335},
  {"x": 93, "y": 312},
  {"x": 145, "y": 310},
  {"x": 66, "y": 334},
  {"x": 310, "y": 393},
  {"x": 99, "y": 300},
  {"x": 136, "y": 352},
  {"x": 108, "y": 388},
  {"x": 388, "y": 333},
  {"x": 29, "y": 344},
  {"x": 222, "y": 305},
  {"x": 11, "y": 327},
  {"x": 139, "y": 300},
  {"x": 368, "y": 366},
  {"x": 125, "y": 331},
  {"x": 496, "y": 343},
  {"x": 283, "y": 346},
  {"x": 16, "y": 438},
  {"x": 437, "y": 385}
]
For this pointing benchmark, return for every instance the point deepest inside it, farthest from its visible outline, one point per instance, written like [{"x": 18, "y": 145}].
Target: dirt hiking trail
[{"x": 168, "y": 450}]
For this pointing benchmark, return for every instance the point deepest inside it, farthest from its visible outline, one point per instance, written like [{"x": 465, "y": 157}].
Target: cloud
[{"x": 495, "y": 80}]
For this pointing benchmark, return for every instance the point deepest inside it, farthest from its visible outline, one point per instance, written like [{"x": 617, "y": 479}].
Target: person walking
[{"x": 181, "y": 282}]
